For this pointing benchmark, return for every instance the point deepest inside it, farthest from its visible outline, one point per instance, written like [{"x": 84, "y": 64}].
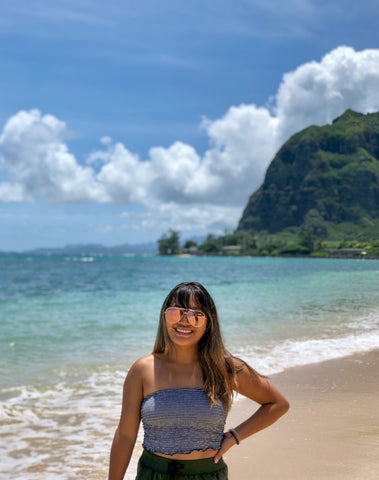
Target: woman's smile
[
  {"x": 183, "y": 331},
  {"x": 184, "y": 334}
]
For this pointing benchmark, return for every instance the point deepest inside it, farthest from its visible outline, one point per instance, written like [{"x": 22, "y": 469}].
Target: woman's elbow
[{"x": 284, "y": 406}]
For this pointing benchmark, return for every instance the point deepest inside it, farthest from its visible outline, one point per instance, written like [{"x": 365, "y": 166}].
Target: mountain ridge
[
  {"x": 323, "y": 179},
  {"x": 91, "y": 249}
]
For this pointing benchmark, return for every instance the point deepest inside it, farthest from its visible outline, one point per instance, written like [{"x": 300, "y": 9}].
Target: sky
[{"x": 122, "y": 119}]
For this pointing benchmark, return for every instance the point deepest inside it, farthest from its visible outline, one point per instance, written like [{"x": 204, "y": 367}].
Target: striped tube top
[{"x": 181, "y": 420}]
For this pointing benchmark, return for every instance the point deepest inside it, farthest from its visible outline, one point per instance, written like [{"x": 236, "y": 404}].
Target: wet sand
[{"x": 331, "y": 431}]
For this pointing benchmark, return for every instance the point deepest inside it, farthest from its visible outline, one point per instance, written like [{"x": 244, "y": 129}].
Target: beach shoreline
[{"x": 330, "y": 432}]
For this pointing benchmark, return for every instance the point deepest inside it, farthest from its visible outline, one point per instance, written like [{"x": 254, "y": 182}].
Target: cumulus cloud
[
  {"x": 318, "y": 92},
  {"x": 11, "y": 192},
  {"x": 39, "y": 165},
  {"x": 123, "y": 176},
  {"x": 195, "y": 217},
  {"x": 213, "y": 187}
]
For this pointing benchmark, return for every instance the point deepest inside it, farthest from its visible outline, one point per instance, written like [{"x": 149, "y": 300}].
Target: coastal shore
[{"x": 330, "y": 432}]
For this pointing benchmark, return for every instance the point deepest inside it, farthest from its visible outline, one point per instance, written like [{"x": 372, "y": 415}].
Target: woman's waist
[{"x": 195, "y": 455}]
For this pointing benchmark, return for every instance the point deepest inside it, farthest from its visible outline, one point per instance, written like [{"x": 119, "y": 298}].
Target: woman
[{"x": 183, "y": 391}]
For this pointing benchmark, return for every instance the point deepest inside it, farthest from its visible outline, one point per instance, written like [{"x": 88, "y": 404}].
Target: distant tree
[
  {"x": 189, "y": 243},
  {"x": 294, "y": 249},
  {"x": 168, "y": 244},
  {"x": 211, "y": 245},
  {"x": 307, "y": 240}
]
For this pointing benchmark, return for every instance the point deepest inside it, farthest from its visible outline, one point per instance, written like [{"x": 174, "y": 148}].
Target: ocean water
[{"x": 70, "y": 327}]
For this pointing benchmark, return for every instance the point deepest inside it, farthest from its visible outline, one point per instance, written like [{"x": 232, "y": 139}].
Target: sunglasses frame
[{"x": 185, "y": 311}]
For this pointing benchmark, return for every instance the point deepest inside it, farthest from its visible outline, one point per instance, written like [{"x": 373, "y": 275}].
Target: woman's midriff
[{"x": 196, "y": 455}]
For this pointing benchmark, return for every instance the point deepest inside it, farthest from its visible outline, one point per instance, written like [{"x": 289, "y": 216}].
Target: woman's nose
[{"x": 184, "y": 318}]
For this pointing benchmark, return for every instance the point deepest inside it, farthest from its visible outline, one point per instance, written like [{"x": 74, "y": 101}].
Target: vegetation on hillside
[{"x": 325, "y": 179}]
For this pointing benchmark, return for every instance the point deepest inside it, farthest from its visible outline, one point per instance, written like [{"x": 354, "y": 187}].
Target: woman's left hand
[{"x": 227, "y": 443}]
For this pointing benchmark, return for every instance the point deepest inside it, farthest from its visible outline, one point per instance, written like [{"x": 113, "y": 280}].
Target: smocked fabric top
[{"x": 181, "y": 420}]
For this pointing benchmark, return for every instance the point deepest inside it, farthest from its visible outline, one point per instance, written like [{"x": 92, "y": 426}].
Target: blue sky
[{"x": 121, "y": 120}]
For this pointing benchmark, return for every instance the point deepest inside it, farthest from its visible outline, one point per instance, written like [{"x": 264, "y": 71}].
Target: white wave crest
[{"x": 292, "y": 353}]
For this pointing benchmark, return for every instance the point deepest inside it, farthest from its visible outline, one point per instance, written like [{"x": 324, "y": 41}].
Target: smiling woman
[{"x": 183, "y": 392}]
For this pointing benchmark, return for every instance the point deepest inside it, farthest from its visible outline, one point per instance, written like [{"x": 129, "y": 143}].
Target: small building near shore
[
  {"x": 346, "y": 252},
  {"x": 231, "y": 250}
]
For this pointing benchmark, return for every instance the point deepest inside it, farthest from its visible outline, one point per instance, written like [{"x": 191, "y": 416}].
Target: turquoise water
[{"x": 71, "y": 326}]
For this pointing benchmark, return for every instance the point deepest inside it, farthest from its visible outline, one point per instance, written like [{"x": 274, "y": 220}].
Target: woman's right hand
[{"x": 227, "y": 443}]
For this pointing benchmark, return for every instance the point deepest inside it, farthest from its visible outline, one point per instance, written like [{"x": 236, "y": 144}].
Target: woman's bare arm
[
  {"x": 257, "y": 388},
  {"x": 127, "y": 430}
]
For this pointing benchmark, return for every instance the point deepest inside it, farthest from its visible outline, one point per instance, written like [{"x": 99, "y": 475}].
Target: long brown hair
[{"x": 219, "y": 373}]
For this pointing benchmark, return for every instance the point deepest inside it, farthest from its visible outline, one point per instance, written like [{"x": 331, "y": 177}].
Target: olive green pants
[{"x": 155, "y": 467}]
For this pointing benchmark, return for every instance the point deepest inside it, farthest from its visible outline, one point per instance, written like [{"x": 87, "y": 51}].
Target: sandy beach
[{"x": 330, "y": 432}]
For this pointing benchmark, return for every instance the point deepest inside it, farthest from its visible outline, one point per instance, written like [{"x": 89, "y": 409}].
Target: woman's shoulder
[
  {"x": 240, "y": 366},
  {"x": 144, "y": 372},
  {"x": 142, "y": 365},
  {"x": 140, "y": 373}
]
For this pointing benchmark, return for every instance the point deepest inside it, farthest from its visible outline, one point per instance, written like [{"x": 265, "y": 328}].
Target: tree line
[{"x": 304, "y": 243}]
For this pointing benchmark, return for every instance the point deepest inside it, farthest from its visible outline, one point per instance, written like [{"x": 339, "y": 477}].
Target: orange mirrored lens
[{"x": 174, "y": 314}]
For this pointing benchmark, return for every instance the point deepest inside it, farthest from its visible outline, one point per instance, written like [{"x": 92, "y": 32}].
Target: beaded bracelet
[{"x": 235, "y": 435}]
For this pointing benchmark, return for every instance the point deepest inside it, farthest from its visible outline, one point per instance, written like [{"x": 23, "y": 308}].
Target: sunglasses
[{"x": 196, "y": 318}]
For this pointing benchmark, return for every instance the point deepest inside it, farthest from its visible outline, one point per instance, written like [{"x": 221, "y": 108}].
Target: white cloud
[
  {"x": 11, "y": 192},
  {"x": 317, "y": 92},
  {"x": 191, "y": 219},
  {"x": 124, "y": 177},
  {"x": 106, "y": 140},
  {"x": 244, "y": 143},
  {"x": 175, "y": 168},
  {"x": 39, "y": 165},
  {"x": 177, "y": 185}
]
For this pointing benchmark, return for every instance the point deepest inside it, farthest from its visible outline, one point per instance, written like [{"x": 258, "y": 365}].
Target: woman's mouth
[{"x": 182, "y": 331}]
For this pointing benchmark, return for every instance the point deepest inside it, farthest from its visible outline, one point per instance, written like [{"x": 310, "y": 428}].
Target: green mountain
[{"x": 324, "y": 180}]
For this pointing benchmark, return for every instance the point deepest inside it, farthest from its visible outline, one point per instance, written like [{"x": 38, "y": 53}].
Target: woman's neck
[{"x": 185, "y": 356}]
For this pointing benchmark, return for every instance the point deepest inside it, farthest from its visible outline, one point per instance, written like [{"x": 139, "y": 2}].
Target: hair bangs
[{"x": 183, "y": 297}]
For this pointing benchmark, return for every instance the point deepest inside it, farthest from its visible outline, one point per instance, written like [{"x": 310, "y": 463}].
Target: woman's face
[{"x": 183, "y": 333}]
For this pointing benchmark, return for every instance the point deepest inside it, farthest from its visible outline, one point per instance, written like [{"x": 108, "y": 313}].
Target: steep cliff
[{"x": 323, "y": 179}]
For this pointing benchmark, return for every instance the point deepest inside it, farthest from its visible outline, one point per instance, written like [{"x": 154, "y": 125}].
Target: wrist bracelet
[{"x": 235, "y": 435}]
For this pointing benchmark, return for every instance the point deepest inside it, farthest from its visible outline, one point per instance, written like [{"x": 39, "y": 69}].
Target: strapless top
[{"x": 181, "y": 420}]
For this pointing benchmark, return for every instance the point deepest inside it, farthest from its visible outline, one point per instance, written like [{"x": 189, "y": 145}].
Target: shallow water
[{"x": 71, "y": 326}]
